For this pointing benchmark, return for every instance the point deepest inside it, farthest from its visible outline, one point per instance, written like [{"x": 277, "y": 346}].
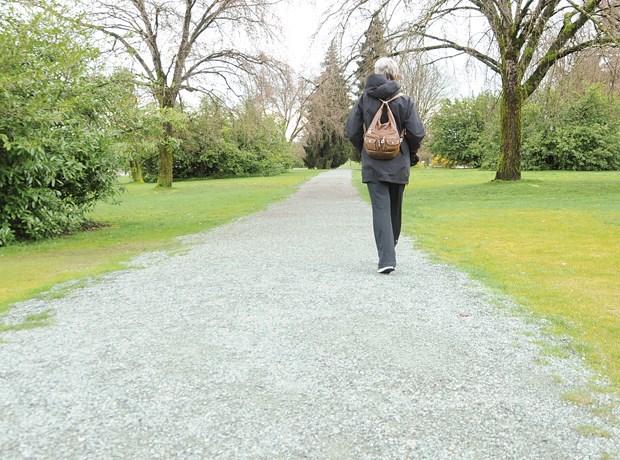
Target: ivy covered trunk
[
  {"x": 164, "y": 176},
  {"x": 136, "y": 171},
  {"x": 509, "y": 163}
]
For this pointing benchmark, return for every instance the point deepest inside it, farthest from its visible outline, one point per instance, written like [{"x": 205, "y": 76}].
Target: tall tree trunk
[
  {"x": 509, "y": 163},
  {"x": 167, "y": 100},
  {"x": 136, "y": 171},
  {"x": 164, "y": 176}
]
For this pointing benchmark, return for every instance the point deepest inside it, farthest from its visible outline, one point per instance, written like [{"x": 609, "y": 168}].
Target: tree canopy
[{"x": 179, "y": 45}]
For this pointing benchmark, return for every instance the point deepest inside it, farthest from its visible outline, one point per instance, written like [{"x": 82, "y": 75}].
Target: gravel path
[{"x": 274, "y": 337}]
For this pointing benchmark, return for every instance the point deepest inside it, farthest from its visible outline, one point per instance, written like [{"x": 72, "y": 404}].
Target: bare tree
[
  {"x": 423, "y": 82},
  {"x": 177, "y": 44},
  {"x": 519, "y": 40},
  {"x": 584, "y": 69},
  {"x": 284, "y": 93}
]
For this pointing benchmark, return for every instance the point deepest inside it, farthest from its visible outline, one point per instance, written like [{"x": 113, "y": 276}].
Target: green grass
[
  {"x": 146, "y": 219},
  {"x": 594, "y": 431},
  {"x": 551, "y": 241},
  {"x": 29, "y": 322},
  {"x": 579, "y": 398}
]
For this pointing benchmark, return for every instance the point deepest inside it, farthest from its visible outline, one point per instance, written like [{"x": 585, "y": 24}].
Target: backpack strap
[
  {"x": 402, "y": 135},
  {"x": 386, "y": 103},
  {"x": 393, "y": 98}
]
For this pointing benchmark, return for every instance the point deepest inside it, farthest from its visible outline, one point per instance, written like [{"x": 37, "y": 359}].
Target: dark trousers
[{"x": 387, "y": 211}]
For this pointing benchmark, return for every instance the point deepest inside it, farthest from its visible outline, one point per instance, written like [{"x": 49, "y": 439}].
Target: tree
[
  {"x": 221, "y": 142},
  {"x": 520, "y": 42},
  {"x": 423, "y": 82},
  {"x": 375, "y": 46},
  {"x": 593, "y": 66},
  {"x": 325, "y": 143},
  {"x": 564, "y": 129},
  {"x": 284, "y": 94},
  {"x": 134, "y": 130},
  {"x": 55, "y": 155},
  {"x": 178, "y": 43}
]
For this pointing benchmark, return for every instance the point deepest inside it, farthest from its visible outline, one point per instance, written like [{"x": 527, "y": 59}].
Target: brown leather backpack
[{"x": 382, "y": 140}]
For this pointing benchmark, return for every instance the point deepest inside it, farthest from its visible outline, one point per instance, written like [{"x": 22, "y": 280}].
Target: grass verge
[
  {"x": 550, "y": 241},
  {"x": 146, "y": 219}
]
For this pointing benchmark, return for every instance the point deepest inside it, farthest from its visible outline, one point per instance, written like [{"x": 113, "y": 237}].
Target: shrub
[
  {"x": 55, "y": 160},
  {"x": 218, "y": 142},
  {"x": 327, "y": 151},
  {"x": 458, "y": 127},
  {"x": 578, "y": 132},
  {"x": 568, "y": 131}
]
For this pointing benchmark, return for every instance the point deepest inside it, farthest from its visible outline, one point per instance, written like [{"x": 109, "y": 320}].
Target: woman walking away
[{"x": 386, "y": 179}]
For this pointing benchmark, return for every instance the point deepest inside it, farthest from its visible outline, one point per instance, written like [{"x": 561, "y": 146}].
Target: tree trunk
[
  {"x": 167, "y": 100},
  {"x": 164, "y": 176},
  {"x": 136, "y": 171},
  {"x": 509, "y": 163}
]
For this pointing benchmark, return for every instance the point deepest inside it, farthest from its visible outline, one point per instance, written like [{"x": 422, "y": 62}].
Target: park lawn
[
  {"x": 550, "y": 241},
  {"x": 146, "y": 219}
]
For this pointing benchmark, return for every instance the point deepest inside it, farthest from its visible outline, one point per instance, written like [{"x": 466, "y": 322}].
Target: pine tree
[
  {"x": 374, "y": 47},
  {"x": 325, "y": 143}
]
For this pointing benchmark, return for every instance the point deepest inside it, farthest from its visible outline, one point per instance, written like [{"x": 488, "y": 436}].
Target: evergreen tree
[
  {"x": 325, "y": 143},
  {"x": 374, "y": 47}
]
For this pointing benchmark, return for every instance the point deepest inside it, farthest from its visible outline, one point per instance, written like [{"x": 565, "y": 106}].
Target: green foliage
[
  {"x": 55, "y": 159},
  {"x": 136, "y": 132},
  {"x": 325, "y": 143},
  {"x": 561, "y": 131},
  {"x": 328, "y": 152},
  {"x": 218, "y": 142},
  {"x": 458, "y": 129},
  {"x": 262, "y": 138},
  {"x": 579, "y": 132}
]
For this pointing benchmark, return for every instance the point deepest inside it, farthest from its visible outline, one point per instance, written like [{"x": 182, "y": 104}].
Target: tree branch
[
  {"x": 448, "y": 44},
  {"x": 550, "y": 58}
]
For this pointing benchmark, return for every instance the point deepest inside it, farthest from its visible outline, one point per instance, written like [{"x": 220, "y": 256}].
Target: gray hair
[{"x": 388, "y": 67}]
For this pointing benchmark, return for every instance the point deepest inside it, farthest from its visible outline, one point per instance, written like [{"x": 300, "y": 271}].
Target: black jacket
[{"x": 406, "y": 116}]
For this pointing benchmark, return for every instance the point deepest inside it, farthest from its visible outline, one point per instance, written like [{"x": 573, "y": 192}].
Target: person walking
[{"x": 386, "y": 179}]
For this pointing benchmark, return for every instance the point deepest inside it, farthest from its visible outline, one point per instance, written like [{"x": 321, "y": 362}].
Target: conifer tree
[
  {"x": 325, "y": 143},
  {"x": 374, "y": 47}
]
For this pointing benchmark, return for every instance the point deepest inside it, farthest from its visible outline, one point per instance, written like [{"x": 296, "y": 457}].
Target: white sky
[{"x": 301, "y": 19}]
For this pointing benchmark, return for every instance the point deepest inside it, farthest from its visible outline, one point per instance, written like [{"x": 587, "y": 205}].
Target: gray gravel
[{"x": 274, "y": 337}]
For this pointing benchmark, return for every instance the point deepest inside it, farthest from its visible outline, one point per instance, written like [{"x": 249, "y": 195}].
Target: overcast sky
[{"x": 301, "y": 19}]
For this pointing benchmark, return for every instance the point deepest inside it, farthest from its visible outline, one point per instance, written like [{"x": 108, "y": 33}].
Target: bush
[
  {"x": 567, "y": 131},
  {"x": 329, "y": 151},
  {"x": 457, "y": 129},
  {"x": 579, "y": 132},
  {"x": 55, "y": 160},
  {"x": 218, "y": 142}
]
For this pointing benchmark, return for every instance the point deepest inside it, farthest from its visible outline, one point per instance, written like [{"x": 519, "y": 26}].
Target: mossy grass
[
  {"x": 29, "y": 322},
  {"x": 549, "y": 241},
  {"x": 579, "y": 398},
  {"x": 145, "y": 219},
  {"x": 593, "y": 430}
]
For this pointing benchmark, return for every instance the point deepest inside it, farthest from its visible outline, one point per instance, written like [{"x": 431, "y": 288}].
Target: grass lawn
[
  {"x": 146, "y": 219},
  {"x": 551, "y": 241}
]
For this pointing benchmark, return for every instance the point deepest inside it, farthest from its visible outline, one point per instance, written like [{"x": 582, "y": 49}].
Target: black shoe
[{"x": 386, "y": 270}]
